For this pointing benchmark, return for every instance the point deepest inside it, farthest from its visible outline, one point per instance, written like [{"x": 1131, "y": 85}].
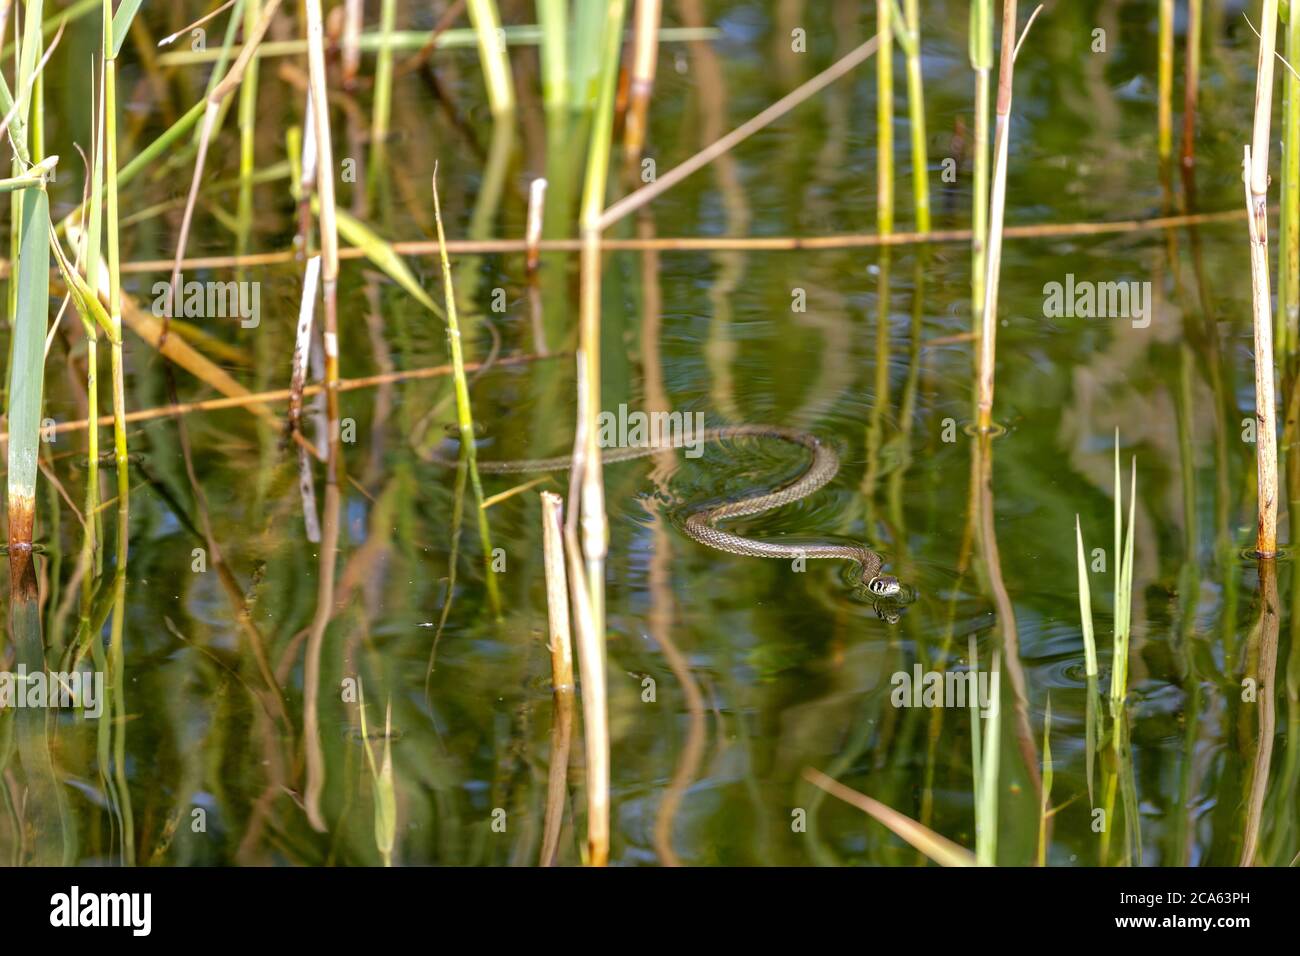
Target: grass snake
[{"x": 701, "y": 525}]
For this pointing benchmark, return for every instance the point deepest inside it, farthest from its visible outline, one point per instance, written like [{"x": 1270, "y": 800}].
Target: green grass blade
[
  {"x": 1085, "y": 604},
  {"x": 382, "y": 254},
  {"x": 122, "y": 23},
  {"x": 1045, "y": 805},
  {"x": 27, "y": 374},
  {"x": 935, "y": 846}
]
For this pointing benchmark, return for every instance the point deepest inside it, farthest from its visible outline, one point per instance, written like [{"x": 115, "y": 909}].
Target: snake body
[{"x": 701, "y": 525}]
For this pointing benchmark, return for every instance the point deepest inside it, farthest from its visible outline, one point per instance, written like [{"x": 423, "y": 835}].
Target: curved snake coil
[{"x": 702, "y": 525}]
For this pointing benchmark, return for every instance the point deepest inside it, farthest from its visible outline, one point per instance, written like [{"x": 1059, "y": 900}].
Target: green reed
[
  {"x": 985, "y": 741},
  {"x": 247, "y": 137},
  {"x": 1045, "y": 802},
  {"x": 493, "y": 56},
  {"x": 1123, "y": 584},
  {"x": 1165, "y": 83},
  {"x": 908, "y": 30},
  {"x": 382, "y": 106}
]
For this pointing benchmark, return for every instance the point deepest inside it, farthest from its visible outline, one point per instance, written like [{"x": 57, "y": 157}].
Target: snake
[{"x": 702, "y": 524}]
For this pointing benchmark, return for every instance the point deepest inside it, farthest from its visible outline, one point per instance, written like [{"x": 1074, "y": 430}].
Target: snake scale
[{"x": 701, "y": 525}]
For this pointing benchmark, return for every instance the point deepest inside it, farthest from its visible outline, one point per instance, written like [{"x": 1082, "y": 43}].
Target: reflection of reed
[
  {"x": 1262, "y": 666},
  {"x": 1257, "y": 179},
  {"x": 557, "y": 606},
  {"x": 661, "y": 628},
  {"x": 988, "y": 542},
  {"x": 720, "y": 349},
  {"x": 315, "y": 756},
  {"x": 660, "y": 576}
]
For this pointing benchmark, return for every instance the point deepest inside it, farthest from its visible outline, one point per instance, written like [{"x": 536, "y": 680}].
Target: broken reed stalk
[
  {"x": 561, "y": 647},
  {"x": 645, "y": 54},
  {"x": 257, "y": 401},
  {"x": 1165, "y": 84},
  {"x": 297, "y": 380},
  {"x": 665, "y": 181},
  {"x": 1255, "y": 176},
  {"x": 997, "y": 207},
  {"x": 911, "y": 41},
  {"x": 493, "y": 55},
  {"x": 302, "y": 341},
  {"x": 423, "y": 41},
  {"x": 591, "y": 653},
  {"x": 981, "y": 61},
  {"x": 533, "y": 229},
  {"x": 351, "y": 59},
  {"x": 884, "y": 120},
  {"x": 422, "y": 247}
]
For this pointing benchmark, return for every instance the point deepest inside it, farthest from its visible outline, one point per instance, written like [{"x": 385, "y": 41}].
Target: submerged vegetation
[{"x": 314, "y": 268}]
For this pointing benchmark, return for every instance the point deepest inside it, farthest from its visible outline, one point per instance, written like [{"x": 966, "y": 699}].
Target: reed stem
[
  {"x": 1165, "y": 83},
  {"x": 1255, "y": 174},
  {"x": 997, "y": 207},
  {"x": 561, "y": 647},
  {"x": 383, "y": 102},
  {"x": 645, "y": 54},
  {"x": 589, "y": 476},
  {"x": 1191, "y": 87},
  {"x": 916, "y": 115},
  {"x": 493, "y": 55}
]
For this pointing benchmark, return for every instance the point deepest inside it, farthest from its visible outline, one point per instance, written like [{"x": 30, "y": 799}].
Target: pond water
[{"x": 728, "y": 676}]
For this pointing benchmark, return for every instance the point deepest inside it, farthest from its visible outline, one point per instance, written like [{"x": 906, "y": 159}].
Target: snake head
[
  {"x": 887, "y": 613},
  {"x": 884, "y": 585}
]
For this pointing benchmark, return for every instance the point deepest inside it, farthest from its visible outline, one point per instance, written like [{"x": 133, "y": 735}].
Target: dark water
[{"x": 756, "y": 671}]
